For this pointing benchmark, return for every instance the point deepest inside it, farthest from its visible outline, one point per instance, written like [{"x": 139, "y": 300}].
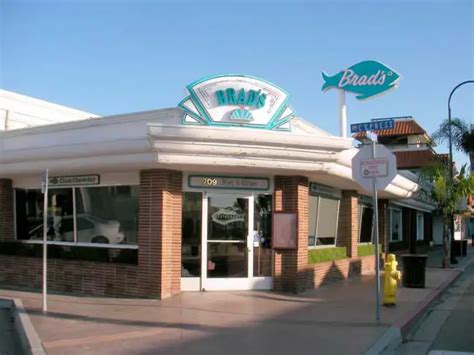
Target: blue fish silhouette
[{"x": 367, "y": 79}]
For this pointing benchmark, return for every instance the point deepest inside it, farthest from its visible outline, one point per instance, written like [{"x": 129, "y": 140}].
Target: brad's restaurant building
[{"x": 154, "y": 203}]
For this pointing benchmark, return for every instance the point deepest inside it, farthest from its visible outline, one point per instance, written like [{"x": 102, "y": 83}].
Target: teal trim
[
  {"x": 193, "y": 115},
  {"x": 189, "y": 111},
  {"x": 282, "y": 122},
  {"x": 200, "y": 108},
  {"x": 183, "y": 122},
  {"x": 229, "y": 177}
]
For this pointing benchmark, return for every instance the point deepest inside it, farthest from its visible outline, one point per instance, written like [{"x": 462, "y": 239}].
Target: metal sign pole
[
  {"x": 343, "y": 113},
  {"x": 45, "y": 239},
  {"x": 376, "y": 233}
]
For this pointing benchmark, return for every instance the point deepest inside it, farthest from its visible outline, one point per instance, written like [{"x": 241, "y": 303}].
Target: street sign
[
  {"x": 372, "y": 126},
  {"x": 374, "y": 167},
  {"x": 365, "y": 168}
]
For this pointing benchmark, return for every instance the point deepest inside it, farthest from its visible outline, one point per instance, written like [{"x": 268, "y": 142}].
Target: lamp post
[{"x": 450, "y": 140}]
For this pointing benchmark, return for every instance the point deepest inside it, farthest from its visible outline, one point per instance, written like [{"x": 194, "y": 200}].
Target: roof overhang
[{"x": 325, "y": 159}]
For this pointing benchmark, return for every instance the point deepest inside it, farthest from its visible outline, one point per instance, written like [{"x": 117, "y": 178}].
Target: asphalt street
[
  {"x": 449, "y": 325},
  {"x": 9, "y": 344}
]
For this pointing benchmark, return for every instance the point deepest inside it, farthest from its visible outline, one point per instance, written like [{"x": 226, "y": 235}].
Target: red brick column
[
  {"x": 6, "y": 211},
  {"x": 383, "y": 224},
  {"x": 291, "y": 267},
  {"x": 159, "y": 232},
  {"x": 348, "y": 225}
]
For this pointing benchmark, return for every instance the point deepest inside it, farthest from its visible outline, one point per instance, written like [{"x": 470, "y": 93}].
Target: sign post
[
  {"x": 44, "y": 190},
  {"x": 374, "y": 169},
  {"x": 343, "y": 113},
  {"x": 376, "y": 232}
]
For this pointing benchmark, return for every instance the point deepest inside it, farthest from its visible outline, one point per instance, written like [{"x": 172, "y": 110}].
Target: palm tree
[
  {"x": 447, "y": 193},
  {"x": 462, "y": 136}
]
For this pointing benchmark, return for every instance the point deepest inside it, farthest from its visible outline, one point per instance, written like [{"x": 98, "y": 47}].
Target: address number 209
[{"x": 209, "y": 182}]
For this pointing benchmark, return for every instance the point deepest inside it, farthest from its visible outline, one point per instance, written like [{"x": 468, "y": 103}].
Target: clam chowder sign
[
  {"x": 366, "y": 79},
  {"x": 237, "y": 100}
]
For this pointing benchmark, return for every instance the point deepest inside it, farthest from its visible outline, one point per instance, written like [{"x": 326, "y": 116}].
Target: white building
[{"x": 20, "y": 111}]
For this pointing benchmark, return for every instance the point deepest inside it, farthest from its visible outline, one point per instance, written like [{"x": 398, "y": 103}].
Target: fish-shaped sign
[{"x": 367, "y": 79}]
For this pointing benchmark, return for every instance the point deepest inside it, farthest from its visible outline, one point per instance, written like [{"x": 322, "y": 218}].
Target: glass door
[{"x": 226, "y": 257}]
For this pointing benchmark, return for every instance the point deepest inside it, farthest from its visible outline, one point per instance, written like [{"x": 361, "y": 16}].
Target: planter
[{"x": 414, "y": 269}]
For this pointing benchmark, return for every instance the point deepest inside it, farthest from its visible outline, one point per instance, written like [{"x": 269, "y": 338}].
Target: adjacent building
[{"x": 20, "y": 111}]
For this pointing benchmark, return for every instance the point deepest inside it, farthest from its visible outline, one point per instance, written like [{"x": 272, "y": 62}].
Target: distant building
[
  {"x": 410, "y": 143},
  {"x": 414, "y": 149},
  {"x": 20, "y": 111}
]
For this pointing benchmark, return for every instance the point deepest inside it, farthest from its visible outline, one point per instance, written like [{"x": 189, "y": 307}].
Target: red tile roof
[
  {"x": 410, "y": 159},
  {"x": 402, "y": 128}
]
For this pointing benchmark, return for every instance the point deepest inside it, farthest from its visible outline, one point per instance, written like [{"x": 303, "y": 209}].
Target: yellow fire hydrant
[{"x": 391, "y": 277}]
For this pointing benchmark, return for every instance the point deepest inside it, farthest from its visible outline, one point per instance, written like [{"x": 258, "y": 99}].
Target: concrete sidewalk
[{"x": 334, "y": 319}]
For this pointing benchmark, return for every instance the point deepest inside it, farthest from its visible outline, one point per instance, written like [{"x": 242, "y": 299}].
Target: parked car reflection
[{"x": 90, "y": 229}]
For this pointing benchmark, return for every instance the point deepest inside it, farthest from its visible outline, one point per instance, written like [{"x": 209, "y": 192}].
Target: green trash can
[{"x": 414, "y": 267}]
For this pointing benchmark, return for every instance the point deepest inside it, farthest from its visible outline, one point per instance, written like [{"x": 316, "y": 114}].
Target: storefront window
[
  {"x": 395, "y": 225},
  {"x": 322, "y": 221},
  {"x": 107, "y": 214},
  {"x": 103, "y": 215},
  {"x": 365, "y": 223},
  {"x": 191, "y": 235}
]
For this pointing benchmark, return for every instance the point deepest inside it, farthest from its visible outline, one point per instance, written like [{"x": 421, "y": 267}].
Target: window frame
[
  {"x": 360, "y": 207},
  {"x": 319, "y": 196},
  {"x": 75, "y": 243},
  {"x": 400, "y": 229}
]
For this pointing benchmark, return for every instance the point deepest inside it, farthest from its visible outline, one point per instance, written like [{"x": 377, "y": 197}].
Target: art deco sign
[{"x": 237, "y": 100}]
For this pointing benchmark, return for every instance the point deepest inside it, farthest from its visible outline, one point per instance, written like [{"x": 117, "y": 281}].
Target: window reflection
[{"x": 106, "y": 215}]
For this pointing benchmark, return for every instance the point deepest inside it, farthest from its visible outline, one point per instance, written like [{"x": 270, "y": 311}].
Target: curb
[
  {"x": 29, "y": 339},
  {"x": 400, "y": 329}
]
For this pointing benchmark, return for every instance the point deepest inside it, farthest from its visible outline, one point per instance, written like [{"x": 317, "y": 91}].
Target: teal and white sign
[
  {"x": 367, "y": 79},
  {"x": 237, "y": 100}
]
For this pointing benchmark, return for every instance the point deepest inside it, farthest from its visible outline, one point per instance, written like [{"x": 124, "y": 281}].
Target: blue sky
[{"x": 111, "y": 57}]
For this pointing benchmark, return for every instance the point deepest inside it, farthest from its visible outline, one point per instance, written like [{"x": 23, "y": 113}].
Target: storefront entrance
[{"x": 235, "y": 248}]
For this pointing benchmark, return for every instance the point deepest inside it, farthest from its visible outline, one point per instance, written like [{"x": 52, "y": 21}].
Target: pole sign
[
  {"x": 372, "y": 126},
  {"x": 366, "y": 79}
]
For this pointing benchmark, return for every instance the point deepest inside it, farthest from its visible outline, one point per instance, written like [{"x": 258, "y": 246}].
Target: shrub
[
  {"x": 367, "y": 249},
  {"x": 326, "y": 254}
]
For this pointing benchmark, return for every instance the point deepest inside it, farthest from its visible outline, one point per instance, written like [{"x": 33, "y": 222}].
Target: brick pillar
[
  {"x": 383, "y": 224},
  {"x": 291, "y": 267},
  {"x": 6, "y": 211},
  {"x": 159, "y": 232},
  {"x": 348, "y": 225}
]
